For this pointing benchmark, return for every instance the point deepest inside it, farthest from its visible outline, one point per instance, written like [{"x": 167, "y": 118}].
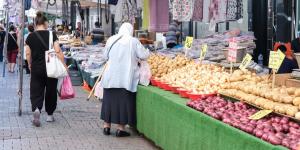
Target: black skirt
[{"x": 119, "y": 107}]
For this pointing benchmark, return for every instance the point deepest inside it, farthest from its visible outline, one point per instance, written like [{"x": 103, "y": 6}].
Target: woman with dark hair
[
  {"x": 30, "y": 30},
  {"x": 41, "y": 86},
  {"x": 12, "y": 49},
  {"x": 289, "y": 62},
  {"x": 2, "y": 37}
]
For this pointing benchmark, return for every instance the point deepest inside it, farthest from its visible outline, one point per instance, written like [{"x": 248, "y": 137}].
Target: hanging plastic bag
[
  {"x": 145, "y": 73},
  {"x": 66, "y": 90},
  {"x": 27, "y": 5},
  {"x": 99, "y": 91}
]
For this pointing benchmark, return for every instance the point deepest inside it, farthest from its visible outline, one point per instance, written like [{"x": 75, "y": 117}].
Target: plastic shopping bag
[
  {"x": 99, "y": 91},
  {"x": 66, "y": 90},
  {"x": 145, "y": 73}
]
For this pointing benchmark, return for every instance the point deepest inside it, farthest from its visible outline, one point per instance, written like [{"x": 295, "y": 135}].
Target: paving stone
[{"x": 77, "y": 125}]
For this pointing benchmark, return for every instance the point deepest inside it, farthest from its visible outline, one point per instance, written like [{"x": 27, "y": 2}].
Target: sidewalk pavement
[{"x": 77, "y": 125}]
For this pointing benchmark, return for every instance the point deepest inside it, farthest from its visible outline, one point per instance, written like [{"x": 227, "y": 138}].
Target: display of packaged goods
[{"x": 217, "y": 43}]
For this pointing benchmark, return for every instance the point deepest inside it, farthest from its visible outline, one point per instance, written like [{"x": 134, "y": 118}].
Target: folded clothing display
[
  {"x": 218, "y": 43},
  {"x": 90, "y": 58}
]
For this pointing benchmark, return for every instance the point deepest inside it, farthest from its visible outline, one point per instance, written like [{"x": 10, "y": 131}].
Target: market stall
[
  {"x": 164, "y": 118},
  {"x": 201, "y": 83}
]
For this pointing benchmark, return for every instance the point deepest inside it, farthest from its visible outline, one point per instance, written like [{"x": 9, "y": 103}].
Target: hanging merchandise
[
  {"x": 107, "y": 9},
  {"x": 217, "y": 11},
  {"x": 234, "y": 9},
  {"x": 159, "y": 16},
  {"x": 213, "y": 10},
  {"x": 206, "y": 4},
  {"x": 239, "y": 13},
  {"x": 146, "y": 14},
  {"x": 53, "y": 3},
  {"x": 27, "y": 4},
  {"x": 113, "y": 2},
  {"x": 35, "y": 4},
  {"x": 222, "y": 8},
  {"x": 182, "y": 10},
  {"x": 198, "y": 10},
  {"x": 231, "y": 9},
  {"x": 139, "y": 4},
  {"x": 126, "y": 11}
]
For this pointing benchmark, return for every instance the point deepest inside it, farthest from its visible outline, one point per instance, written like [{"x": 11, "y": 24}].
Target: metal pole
[
  {"x": 21, "y": 55},
  {"x": 6, "y": 39}
]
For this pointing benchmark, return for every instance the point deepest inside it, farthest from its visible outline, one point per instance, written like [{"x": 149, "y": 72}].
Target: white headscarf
[
  {"x": 126, "y": 31},
  {"x": 126, "y": 34}
]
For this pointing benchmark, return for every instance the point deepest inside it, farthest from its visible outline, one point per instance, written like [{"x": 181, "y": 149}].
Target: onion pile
[{"x": 276, "y": 130}]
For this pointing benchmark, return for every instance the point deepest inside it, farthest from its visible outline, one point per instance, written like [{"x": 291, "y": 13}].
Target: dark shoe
[
  {"x": 106, "y": 131},
  {"x": 121, "y": 133}
]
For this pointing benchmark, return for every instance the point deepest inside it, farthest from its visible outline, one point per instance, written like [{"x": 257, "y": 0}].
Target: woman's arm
[
  {"x": 59, "y": 53},
  {"x": 141, "y": 52},
  {"x": 28, "y": 56}
]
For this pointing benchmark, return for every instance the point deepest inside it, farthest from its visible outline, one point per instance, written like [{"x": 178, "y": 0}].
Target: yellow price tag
[
  {"x": 246, "y": 61},
  {"x": 203, "y": 51},
  {"x": 276, "y": 59},
  {"x": 188, "y": 42},
  {"x": 260, "y": 114}
]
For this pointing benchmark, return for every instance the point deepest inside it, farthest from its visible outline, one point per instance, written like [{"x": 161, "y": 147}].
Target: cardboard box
[
  {"x": 292, "y": 83},
  {"x": 280, "y": 79},
  {"x": 286, "y": 80}
]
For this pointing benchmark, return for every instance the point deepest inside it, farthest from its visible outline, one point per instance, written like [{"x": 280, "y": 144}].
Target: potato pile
[
  {"x": 162, "y": 65},
  {"x": 197, "y": 78},
  {"x": 258, "y": 91}
]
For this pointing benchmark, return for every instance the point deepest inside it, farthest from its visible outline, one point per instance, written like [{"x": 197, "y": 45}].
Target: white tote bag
[{"x": 55, "y": 68}]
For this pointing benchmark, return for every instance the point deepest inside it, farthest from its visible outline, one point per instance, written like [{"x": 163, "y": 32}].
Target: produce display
[
  {"x": 197, "y": 78},
  {"x": 259, "y": 92},
  {"x": 69, "y": 40},
  {"x": 274, "y": 129},
  {"x": 207, "y": 79},
  {"x": 162, "y": 65}
]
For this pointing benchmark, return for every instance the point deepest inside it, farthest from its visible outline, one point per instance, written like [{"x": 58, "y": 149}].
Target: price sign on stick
[
  {"x": 246, "y": 61},
  {"x": 232, "y": 55},
  {"x": 188, "y": 42},
  {"x": 276, "y": 59},
  {"x": 260, "y": 114},
  {"x": 203, "y": 51}
]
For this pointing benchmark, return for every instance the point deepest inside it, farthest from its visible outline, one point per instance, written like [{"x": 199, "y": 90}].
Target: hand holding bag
[
  {"x": 66, "y": 90},
  {"x": 54, "y": 66},
  {"x": 145, "y": 73}
]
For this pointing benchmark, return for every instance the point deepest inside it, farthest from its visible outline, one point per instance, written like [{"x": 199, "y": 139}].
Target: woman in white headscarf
[{"x": 120, "y": 80}]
